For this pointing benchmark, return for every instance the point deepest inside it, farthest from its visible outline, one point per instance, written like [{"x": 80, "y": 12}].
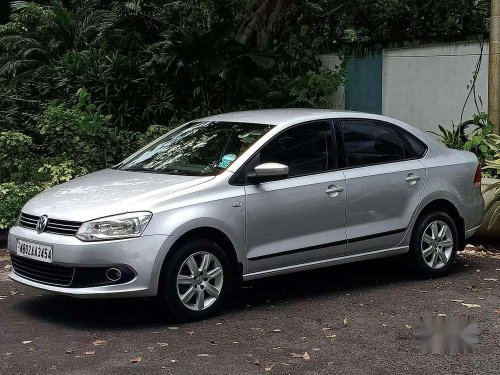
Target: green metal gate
[{"x": 363, "y": 89}]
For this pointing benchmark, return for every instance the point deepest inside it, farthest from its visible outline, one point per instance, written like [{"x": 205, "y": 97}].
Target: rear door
[{"x": 384, "y": 183}]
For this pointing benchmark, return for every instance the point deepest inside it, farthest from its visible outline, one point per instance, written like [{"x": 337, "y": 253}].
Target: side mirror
[{"x": 268, "y": 172}]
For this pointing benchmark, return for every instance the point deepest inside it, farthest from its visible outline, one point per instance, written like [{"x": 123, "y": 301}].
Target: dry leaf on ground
[
  {"x": 136, "y": 360},
  {"x": 269, "y": 367},
  {"x": 470, "y": 305},
  {"x": 304, "y": 356}
]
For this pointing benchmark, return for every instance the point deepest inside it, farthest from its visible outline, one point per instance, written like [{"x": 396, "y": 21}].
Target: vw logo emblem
[{"x": 42, "y": 223}]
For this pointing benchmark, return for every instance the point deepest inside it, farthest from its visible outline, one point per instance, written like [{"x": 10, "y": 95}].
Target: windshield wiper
[
  {"x": 164, "y": 171},
  {"x": 139, "y": 169}
]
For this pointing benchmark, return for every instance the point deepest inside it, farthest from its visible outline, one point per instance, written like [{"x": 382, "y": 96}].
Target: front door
[{"x": 301, "y": 218}]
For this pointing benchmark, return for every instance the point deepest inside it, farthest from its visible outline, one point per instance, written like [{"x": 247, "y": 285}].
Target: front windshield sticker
[{"x": 226, "y": 160}]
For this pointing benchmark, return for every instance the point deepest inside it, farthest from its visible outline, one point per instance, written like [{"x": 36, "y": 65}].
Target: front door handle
[
  {"x": 412, "y": 179},
  {"x": 334, "y": 190}
]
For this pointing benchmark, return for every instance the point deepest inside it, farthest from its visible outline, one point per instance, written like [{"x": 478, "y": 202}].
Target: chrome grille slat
[
  {"x": 29, "y": 220},
  {"x": 64, "y": 227},
  {"x": 52, "y": 224}
]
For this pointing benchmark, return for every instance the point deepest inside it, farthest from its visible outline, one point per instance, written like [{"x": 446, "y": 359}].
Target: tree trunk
[{"x": 265, "y": 23}]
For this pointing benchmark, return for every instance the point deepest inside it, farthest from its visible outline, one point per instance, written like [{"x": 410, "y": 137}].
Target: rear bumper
[
  {"x": 474, "y": 213},
  {"x": 142, "y": 254}
]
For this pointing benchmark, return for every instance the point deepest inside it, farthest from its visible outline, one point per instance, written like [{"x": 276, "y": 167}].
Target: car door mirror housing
[{"x": 268, "y": 172}]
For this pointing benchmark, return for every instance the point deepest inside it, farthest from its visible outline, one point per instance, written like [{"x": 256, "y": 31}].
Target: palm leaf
[{"x": 494, "y": 217}]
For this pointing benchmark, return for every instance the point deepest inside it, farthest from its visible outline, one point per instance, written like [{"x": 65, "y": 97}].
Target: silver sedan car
[{"x": 245, "y": 195}]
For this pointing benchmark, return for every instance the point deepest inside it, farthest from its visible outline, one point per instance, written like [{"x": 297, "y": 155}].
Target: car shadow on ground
[{"x": 114, "y": 314}]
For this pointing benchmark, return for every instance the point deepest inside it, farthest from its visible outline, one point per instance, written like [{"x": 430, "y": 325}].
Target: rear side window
[
  {"x": 414, "y": 147},
  {"x": 371, "y": 142},
  {"x": 305, "y": 149}
]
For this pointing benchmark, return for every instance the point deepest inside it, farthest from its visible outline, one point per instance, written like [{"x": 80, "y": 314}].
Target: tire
[
  {"x": 435, "y": 254},
  {"x": 181, "y": 278}
]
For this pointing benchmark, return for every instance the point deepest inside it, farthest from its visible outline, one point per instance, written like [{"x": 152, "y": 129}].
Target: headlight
[{"x": 114, "y": 227}]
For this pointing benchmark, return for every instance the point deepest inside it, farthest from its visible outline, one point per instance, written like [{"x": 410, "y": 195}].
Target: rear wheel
[
  {"x": 434, "y": 244},
  {"x": 195, "y": 280}
]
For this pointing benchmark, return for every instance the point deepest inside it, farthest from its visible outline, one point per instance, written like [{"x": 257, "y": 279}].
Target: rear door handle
[
  {"x": 412, "y": 179},
  {"x": 334, "y": 190}
]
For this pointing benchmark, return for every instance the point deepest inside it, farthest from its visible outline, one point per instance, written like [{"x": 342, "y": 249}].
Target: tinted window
[
  {"x": 305, "y": 149},
  {"x": 369, "y": 142},
  {"x": 414, "y": 147}
]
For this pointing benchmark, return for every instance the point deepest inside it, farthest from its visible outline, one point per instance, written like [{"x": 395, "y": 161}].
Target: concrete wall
[{"x": 426, "y": 86}]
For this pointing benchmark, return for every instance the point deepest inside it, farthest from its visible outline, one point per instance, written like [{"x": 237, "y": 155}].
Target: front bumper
[{"x": 142, "y": 254}]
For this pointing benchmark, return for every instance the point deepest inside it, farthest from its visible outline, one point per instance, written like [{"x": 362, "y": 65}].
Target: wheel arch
[
  {"x": 445, "y": 205},
  {"x": 213, "y": 234}
]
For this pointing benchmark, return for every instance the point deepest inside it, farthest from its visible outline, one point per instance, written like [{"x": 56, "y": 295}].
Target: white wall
[{"x": 426, "y": 86}]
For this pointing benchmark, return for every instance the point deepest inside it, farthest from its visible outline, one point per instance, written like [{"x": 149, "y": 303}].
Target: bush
[
  {"x": 12, "y": 198},
  {"x": 67, "y": 142}
]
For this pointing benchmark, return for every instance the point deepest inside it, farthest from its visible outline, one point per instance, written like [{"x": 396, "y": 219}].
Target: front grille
[
  {"x": 42, "y": 272},
  {"x": 64, "y": 227}
]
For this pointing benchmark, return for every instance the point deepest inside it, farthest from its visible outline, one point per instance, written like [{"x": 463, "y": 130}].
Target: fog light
[{"x": 113, "y": 274}]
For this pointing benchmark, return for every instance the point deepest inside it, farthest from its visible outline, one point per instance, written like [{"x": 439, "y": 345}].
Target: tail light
[{"x": 477, "y": 177}]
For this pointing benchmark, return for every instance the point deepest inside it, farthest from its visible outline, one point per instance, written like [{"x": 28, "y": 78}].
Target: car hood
[{"x": 108, "y": 192}]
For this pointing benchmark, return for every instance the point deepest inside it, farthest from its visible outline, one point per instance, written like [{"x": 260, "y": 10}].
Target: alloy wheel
[
  {"x": 199, "y": 281},
  {"x": 437, "y": 244}
]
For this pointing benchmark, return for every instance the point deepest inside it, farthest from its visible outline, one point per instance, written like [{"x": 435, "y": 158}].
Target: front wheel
[
  {"x": 433, "y": 245},
  {"x": 195, "y": 281}
]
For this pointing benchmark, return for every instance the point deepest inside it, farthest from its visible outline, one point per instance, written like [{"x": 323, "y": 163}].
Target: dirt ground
[{"x": 353, "y": 319}]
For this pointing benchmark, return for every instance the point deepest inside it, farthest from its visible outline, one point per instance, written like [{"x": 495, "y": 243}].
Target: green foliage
[
  {"x": 493, "y": 166},
  {"x": 14, "y": 147},
  {"x": 451, "y": 138},
  {"x": 315, "y": 89},
  {"x": 69, "y": 141},
  {"x": 479, "y": 139},
  {"x": 402, "y": 20},
  {"x": 211, "y": 71},
  {"x": 12, "y": 197}
]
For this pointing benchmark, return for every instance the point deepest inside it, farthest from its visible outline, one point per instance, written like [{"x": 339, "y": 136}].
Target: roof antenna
[{"x": 359, "y": 95}]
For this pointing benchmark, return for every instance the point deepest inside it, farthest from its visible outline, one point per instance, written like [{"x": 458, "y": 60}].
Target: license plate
[{"x": 36, "y": 251}]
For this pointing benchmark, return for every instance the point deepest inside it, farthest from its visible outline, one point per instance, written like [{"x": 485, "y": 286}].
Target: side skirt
[{"x": 328, "y": 262}]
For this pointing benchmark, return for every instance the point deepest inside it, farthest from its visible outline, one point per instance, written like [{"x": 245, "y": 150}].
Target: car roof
[
  {"x": 291, "y": 116},
  {"x": 285, "y": 117}
]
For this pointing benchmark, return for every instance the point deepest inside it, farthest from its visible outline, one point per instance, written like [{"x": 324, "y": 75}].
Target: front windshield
[{"x": 198, "y": 148}]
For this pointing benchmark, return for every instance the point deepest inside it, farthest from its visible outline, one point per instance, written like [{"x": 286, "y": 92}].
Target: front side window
[
  {"x": 198, "y": 148},
  {"x": 370, "y": 142},
  {"x": 305, "y": 149}
]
